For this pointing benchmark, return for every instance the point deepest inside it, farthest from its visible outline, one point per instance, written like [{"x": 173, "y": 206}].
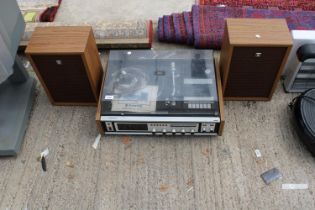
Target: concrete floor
[
  {"x": 79, "y": 11},
  {"x": 158, "y": 172}
]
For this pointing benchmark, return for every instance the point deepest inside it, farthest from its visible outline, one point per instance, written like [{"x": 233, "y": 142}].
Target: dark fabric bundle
[
  {"x": 160, "y": 30},
  {"x": 168, "y": 28},
  {"x": 189, "y": 27},
  {"x": 50, "y": 13},
  {"x": 205, "y": 24},
  {"x": 180, "y": 28},
  {"x": 264, "y": 4}
]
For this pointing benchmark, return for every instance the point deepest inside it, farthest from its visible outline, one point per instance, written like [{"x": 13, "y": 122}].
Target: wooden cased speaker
[
  {"x": 253, "y": 54},
  {"x": 67, "y": 63}
]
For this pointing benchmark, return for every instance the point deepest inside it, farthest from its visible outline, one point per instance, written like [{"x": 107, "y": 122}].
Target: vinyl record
[{"x": 128, "y": 80}]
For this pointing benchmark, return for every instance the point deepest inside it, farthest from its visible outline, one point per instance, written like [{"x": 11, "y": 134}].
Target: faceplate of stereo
[{"x": 160, "y": 128}]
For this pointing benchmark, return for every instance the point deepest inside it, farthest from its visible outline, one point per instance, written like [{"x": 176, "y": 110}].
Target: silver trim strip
[
  {"x": 159, "y": 134},
  {"x": 159, "y": 119},
  {"x": 192, "y": 98},
  {"x": 197, "y": 81}
]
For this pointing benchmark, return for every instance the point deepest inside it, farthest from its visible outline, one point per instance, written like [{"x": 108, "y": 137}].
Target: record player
[{"x": 148, "y": 92}]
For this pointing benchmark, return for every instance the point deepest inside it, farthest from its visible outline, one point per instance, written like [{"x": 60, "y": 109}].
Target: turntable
[{"x": 147, "y": 92}]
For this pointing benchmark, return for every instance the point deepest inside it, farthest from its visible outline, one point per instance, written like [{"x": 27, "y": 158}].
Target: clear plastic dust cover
[{"x": 160, "y": 83}]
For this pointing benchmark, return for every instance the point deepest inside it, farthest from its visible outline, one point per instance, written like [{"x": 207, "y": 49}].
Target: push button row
[{"x": 174, "y": 131}]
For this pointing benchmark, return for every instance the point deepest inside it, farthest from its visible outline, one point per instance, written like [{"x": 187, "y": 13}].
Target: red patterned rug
[
  {"x": 204, "y": 26},
  {"x": 264, "y": 4}
]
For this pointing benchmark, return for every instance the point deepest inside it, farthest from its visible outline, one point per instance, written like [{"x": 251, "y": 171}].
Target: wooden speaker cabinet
[
  {"x": 253, "y": 54},
  {"x": 67, "y": 63}
]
